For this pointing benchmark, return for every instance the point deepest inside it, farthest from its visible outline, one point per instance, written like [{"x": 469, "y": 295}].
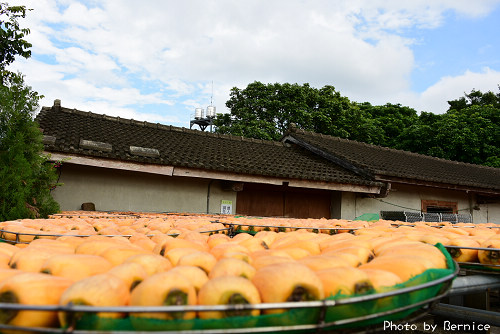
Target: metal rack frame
[
  {"x": 467, "y": 285},
  {"x": 251, "y": 228},
  {"x": 414, "y": 216},
  {"x": 478, "y": 267},
  {"x": 53, "y": 236},
  {"x": 321, "y": 324}
]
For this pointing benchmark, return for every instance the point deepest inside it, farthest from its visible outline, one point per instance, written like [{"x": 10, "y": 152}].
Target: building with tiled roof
[
  {"x": 123, "y": 164},
  {"x": 413, "y": 182},
  {"x": 389, "y": 165},
  {"x": 106, "y": 159}
]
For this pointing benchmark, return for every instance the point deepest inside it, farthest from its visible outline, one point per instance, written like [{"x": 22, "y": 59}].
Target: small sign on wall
[{"x": 226, "y": 207}]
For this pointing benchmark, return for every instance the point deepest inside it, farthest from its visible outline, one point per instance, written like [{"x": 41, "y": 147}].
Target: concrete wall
[
  {"x": 487, "y": 213},
  {"x": 409, "y": 198},
  {"x": 118, "y": 190}
]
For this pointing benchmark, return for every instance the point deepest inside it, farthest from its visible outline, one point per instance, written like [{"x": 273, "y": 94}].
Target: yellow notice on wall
[{"x": 226, "y": 207}]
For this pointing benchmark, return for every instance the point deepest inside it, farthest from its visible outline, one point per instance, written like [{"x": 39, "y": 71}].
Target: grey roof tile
[
  {"x": 186, "y": 148},
  {"x": 387, "y": 163}
]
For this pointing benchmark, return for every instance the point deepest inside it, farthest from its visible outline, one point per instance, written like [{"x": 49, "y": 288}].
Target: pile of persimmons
[{"x": 155, "y": 260}]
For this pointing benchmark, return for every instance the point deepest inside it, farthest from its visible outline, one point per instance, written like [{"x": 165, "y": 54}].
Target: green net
[{"x": 368, "y": 217}]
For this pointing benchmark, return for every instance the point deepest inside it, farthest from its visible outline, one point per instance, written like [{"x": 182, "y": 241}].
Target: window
[{"x": 432, "y": 206}]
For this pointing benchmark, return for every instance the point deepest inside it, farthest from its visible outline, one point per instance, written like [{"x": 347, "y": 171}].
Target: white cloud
[
  {"x": 396, "y": 14},
  {"x": 102, "y": 48},
  {"x": 119, "y": 97},
  {"x": 103, "y": 107},
  {"x": 434, "y": 99},
  {"x": 83, "y": 95}
]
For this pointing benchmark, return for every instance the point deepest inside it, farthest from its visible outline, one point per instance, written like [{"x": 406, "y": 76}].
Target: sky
[{"x": 158, "y": 60}]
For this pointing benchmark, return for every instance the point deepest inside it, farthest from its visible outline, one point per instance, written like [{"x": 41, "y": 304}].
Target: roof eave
[
  {"x": 433, "y": 184},
  {"x": 170, "y": 170}
]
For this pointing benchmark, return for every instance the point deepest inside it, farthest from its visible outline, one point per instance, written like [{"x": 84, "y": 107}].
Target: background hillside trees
[
  {"x": 265, "y": 111},
  {"x": 469, "y": 131}
]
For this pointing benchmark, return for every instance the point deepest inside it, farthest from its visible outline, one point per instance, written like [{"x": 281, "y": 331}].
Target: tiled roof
[
  {"x": 386, "y": 163},
  {"x": 84, "y": 133}
]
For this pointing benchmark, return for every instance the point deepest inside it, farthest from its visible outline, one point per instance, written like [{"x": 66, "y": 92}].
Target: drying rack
[
  {"x": 18, "y": 235},
  {"x": 321, "y": 310},
  {"x": 236, "y": 228},
  {"x": 477, "y": 267}
]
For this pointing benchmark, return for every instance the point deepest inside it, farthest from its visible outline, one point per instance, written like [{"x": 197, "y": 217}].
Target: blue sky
[
  {"x": 459, "y": 44},
  {"x": 157, "y": 61}
]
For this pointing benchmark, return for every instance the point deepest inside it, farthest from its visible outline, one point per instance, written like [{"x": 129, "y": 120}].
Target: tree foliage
[
  {"x": 26, "y": 177},
  {"x": 467, "y": 132},
  {"x": 389, "y": 120},
  {"x": 476, "y": 98},
  {"x": 266, "y": 111},
  {"x": 471, "y": 130},
  {"x": 12, "y": 36}
]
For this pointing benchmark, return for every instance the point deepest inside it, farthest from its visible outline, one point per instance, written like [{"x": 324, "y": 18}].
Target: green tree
[
  {"x": 475, "y": 98},
  {"x": 12, "y": 36},
  {"x": 470, "y": 129},
  {"x": 471, "y": 135},
  {"x": 420, "y": 137},
  {"x": 468, "y": 132},
  {"x": 26, "y": 177},
  {"x": 390, "y": 121},
  {"x": 265, "y": 111}
]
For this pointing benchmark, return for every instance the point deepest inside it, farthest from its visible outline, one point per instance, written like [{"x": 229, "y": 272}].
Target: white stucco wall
[
  {"x": 409, "y": 198},
  {"x": 118, "y": 190},
  {"x": 488, "y": 213}
]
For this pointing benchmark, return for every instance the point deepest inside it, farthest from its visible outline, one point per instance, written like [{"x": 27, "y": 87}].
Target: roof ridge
[
  {"x": 161, "y": 126},
  {"x": 394, "y": 149}
]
